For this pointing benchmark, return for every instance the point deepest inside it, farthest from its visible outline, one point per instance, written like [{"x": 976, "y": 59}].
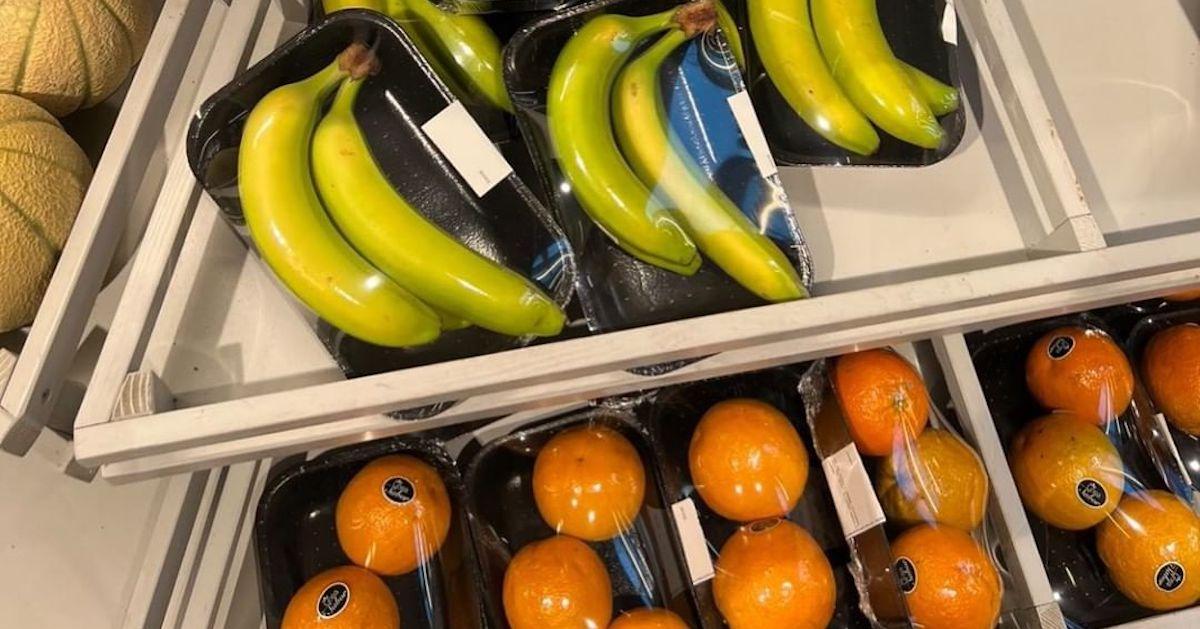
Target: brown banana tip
[
  {"x": 359, "y": 61},
  {"x": 696, "y": 17}
]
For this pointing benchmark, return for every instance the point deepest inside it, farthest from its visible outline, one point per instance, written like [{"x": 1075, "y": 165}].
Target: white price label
[
  {"x": 456, "y": 134},
  {"x": 950, "y": 25},
  {"x": 695, "y": 547},
  {"x": 747, "y": 122},
  {"x": 857, "y": 506}
]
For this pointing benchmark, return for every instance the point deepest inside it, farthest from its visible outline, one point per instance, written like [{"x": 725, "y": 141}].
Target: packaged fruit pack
[
  {"x": 911, "y": 488},
  {"x": 765, "y": 548},
  {"x": 855, "y": 82},
  {"x": 377, "y": 201},
  {"x": 648, "y": 147},
  {"x": 370, "y": 536},
  {"x": 571, "y": 527},
  {"x": 1069, "y": 408}
]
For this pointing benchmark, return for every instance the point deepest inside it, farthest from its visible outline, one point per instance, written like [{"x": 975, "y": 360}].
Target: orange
[
  {"x": 773, "y": 574},
  {"x": 939, "y": 479},
  {"x": 342, "y": 598},
  {"x": 747, "y": 461},
  {"x": 1067, "y": 471},
  {"x": 393, "y": 515},
  {"x": 648, "y": 618},
  {"x": 589, "y": 482},
  {"x": 1151, "y": 547},
  {"x": 947, "y": 578},
  {"x": 557, "y": 583},
  {"x": 1082, "y": 371},
  {"x": 1187, "y": 295},
  {"x": 1171, "y": 366},
  {"x": 883, "y": 399}
]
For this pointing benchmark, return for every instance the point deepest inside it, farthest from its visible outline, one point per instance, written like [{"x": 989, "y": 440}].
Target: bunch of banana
[
  {"x": 837, "y": 71},
  {"x": 609, "y": 127},
  {"x": 461, "y": 48},
  {"x": 714, "y": 222},
  {"x": 399, "y": 280}
]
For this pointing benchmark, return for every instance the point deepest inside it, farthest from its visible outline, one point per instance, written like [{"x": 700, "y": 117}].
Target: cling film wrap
[
  {"x": 855, "y": 82},
  {"x": 371, "y": 535},
  {"x": 422, "y": 174},
  {"x": 913, "y": 497},
  {"x": 571, "y": 525},
  {"x": 646, "y": 143},
  {"x": 1108, "y": 505}
]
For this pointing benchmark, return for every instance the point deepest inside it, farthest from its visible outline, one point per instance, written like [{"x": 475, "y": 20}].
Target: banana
[
  {"x": 408, "y": 248},
  {"x": 714, "y": 222},
  {"x": 941, "y": 98},
  {"x": 462, "y": 49},
  {"x": 861, "y": 60},
  {"x": 578, "y": 111},
  {"x": 788, "y": 49},
  {"x": 291, "y": 230}
]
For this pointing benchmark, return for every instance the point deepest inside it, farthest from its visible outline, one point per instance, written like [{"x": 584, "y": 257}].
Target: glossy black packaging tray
[
  {"x": 914, "y": 31},
  {"x": 508, "y": 224},
  {"x": 672, "y": 418},
  {"x": 1082, "y": 588},
  {"x": 295, "y": 538},
  {"x": 617, "y": 291},
  {"x": 645, "y": 563}
]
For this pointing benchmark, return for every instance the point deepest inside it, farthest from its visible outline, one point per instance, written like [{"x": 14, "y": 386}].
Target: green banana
[
  {"x": 291, "y": 230},
  {"x": 941, "y": 98},
  {"x": 578, "y": 111},
  {"x": 337, "y": 5},
  {"x": 861, "y": 60},
  {"x": 407, "y": 247},
  {"x": 713, "y": 221},
  {"x": 788, "y": 49}
]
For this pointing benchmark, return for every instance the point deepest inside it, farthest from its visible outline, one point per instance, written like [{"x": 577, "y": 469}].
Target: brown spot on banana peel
[
  {"x": 696, "y": 17},
  {"x": 359, "y": 61}
]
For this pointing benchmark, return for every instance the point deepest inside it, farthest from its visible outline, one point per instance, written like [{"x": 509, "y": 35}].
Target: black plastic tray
[
  {"x": 1079, "y": 579},
  {"x": 295, "y": 538},
  {"x": 620, "y": 291},
  {"x": 914, "y": 32},
  {"x": 508, "y": 224},
  {"x": 505, "y": 518},
  {"x": 672, "y": 418}
]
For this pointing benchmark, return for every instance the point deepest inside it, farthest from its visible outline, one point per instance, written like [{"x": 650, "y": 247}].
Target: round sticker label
[
  {"x": 1169, "y": 576},
  {"x": 1060, "y": 347},
  {"x": 1091, "y": 493},
  {"x": 333, "y": 601},
  {"x": 906, "y": 575},
  {"x": 399, "y": 490}
]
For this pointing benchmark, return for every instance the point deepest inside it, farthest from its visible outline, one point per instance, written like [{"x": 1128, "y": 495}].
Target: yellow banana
[
  {"x": 578, "y": 110},
  {"x": 294, "y": 235},
  {"x": 461, "y": 48},
  {"x": 717, "y": 225},
  {"x": 861, "y": 60},
  {"x": 941, "y": 98},
  {"x": 788, "y": 49},
  {"x": 407, "y": 247}
]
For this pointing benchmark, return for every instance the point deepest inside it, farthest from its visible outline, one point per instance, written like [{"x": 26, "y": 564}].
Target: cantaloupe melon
[
  {"x": 43, "y": 177},
  {"x": 70, "y": 54}
]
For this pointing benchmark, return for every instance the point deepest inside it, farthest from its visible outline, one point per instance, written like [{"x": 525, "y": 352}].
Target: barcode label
[
  {"x": 857, "y": 506},
  {"x": 743, "y": 113},
  {"x": 950, "y": 25},
  {"x": 456, "y": 134},
  {"x": 695, "y": 547}
]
